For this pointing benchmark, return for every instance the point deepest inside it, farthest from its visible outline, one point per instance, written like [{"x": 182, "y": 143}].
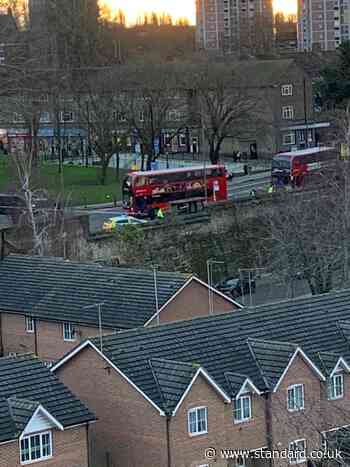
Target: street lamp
[{"x": 99, "y": 308}]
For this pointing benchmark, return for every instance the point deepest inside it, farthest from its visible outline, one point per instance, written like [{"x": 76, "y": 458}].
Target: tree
[
  {"x": 154, "y": 102},
  {"x": 98, "y": 99},
  {"x": 224, "y": 105}
]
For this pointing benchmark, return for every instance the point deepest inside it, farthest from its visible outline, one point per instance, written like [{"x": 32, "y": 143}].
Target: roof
[
  {"x": 55, "y": 289},
  {"x": 304, "y": 152},
  {"x": 26, "y": 384},
  {"x": 257, "y": 344},
  {"x": 174, "y": 171},
  {"x": 263, "y": 73}
]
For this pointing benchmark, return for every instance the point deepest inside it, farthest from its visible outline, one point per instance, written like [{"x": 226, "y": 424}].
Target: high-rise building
[
  {"x": 235, "y": 26},
  {"x": 323, "y": 24}
]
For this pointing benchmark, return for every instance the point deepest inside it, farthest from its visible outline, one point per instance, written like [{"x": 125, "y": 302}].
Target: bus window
[{"x": 140, "y": 181}]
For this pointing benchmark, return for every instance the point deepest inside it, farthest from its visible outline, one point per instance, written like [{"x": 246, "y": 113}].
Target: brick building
[
  {"x": 40, "y": 419},
  {"x": 48, "y": 305},
  {"x": 271, "y": 378}
]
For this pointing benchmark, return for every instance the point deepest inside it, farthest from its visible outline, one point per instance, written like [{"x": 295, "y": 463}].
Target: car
[
  {"x": 233, "y": 286},
  {"x": 119, "y": 221}
]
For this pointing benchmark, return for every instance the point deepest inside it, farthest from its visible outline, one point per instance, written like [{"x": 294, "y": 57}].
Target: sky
[{"x": 177, "y": 8}]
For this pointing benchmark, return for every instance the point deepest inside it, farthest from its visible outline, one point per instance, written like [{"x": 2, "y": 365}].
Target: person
[{"x": 160, "y": 214}]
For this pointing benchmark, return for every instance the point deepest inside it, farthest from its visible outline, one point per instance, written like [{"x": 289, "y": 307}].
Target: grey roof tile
[
  {"x": 24, "y": 384},
  {"x": 220, "y": 343},
  {"x": 54, "y": 289}
]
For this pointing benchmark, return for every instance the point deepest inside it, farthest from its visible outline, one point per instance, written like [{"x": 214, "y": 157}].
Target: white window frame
[
  {"x": 287, "y": 90},
  {"x": 70, "y": 120},
  {"x": 41, "y": 458},
  {"x": 196, "y": 410},
  {"x": 18, "y": 118},
  {"x": 141, "y": 116},
  {"x": 293, "y": 388},
  {"x": 240, "y": 402},
  {"x": 290, "y": 449},
  {"x": 332, "y": 387},
  {"x": 71, "y": 332},
  {"x": 45, "y": 117},
  {"x": 30, "y": 324},
  {"x": 292, "y": 140},
  {"x": 287, "y": 112}
]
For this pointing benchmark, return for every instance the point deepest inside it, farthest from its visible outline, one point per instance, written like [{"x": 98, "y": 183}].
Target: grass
[{"x": 81, "y": 184}]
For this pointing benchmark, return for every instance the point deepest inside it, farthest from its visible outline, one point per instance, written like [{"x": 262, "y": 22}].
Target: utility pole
[
  {"x": 210, "y": 263},
  {"x": 99, "y": 309},
  {"x": 155, "y": 281}
]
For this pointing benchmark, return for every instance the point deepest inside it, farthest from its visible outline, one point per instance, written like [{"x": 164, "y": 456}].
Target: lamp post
[
  {"x": 210, "y": 263},
  {"x": 99, "y": 309}
]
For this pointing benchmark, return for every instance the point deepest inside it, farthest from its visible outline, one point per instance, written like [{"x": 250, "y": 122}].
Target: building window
[
  {"x": 67, "y": 117},
  {"x": 296, "y": 397},
  {"x": 68, "y": 332},
  {"x": 198, "y": 421},
  {"x": 142, "y": 116},
  {"x": 30, "y": 324},
  {"x": 242, "y": 409},
  {"x": 288, "y": 138},
  {"x": 336, "y": 387},
  {"x": 287, "y": 112},
  {"x": 174, "y": 115},
  {"x": 36, "y": 447},
  {"x": 45, "y": 117},
  {"x": 18, "y": 118},
  {"x": 297, "y": 451},
  {"x": 287, "y": 90}
]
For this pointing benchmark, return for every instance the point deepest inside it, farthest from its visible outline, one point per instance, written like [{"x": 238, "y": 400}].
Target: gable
[
  {"x": 39, "y": 422},
  {"x": 192, "y": 301}
]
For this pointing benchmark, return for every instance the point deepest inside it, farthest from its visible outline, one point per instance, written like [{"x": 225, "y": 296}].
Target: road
[{"x": 238, "y": 189}]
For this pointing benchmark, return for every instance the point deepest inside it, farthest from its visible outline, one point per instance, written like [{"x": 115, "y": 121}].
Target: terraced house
[
  {"x": 48, "y": 305},
  {"x": 271, "y": 378},
  {"x": 41, "y": 421}
]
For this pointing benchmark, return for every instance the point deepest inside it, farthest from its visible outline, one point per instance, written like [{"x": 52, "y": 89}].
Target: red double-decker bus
[
  {"x": 297, "y": 167},
  {"x": 159, "y": 189}
]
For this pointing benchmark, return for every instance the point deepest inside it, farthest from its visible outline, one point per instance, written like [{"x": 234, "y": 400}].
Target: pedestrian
[
  {"x": 238, "y": 157},
  {"x": 160, "y": 214}
]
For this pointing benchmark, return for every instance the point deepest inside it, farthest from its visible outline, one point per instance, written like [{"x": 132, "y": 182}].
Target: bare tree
[{"x": 224, "y": 106}]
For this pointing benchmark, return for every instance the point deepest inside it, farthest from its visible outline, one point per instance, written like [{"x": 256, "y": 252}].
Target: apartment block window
[
  {"x": 45, "y": 117},
  {"x": 68, "y": 332},
  {"x": 67, "y": 117},
  {"x": 297, "y": 451},
  {"x": 336, "y": 387},
  {"x": 18, "y": 118},
  {"x": 288, "y": 138},
  {"x": 30, "y": 324},
  {"x": 287, "y": 90},
  {"x": 296, "y": 397},
  {"x": 36, "y": 447},
  {"x": 242, "y": 409},
  {"x": 198, "y": 421},
  {"x": 287, "y": 112}
]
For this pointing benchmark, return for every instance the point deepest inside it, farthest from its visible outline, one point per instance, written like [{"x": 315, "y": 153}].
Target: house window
[
  {"x": 198, "y": 421},
  {"x": 45, "y": 117},
  {"x": 289, "y": 138},
  {"x": 67, "y": 117},
  {"x": 18, "y": 118},
  {"x": 68, "y": 332},
  {"x": 243, "y": 409},
  {"x": 287, "y": 112},
  {"x": 287, "y": 90},
  {"x": 296, "y": 397},
  {"x": 30, "y": 324},
  {"x": 297, "y": 451},
  {"x": 336, "y": 387},
  {"x": 36, "y": 447}
]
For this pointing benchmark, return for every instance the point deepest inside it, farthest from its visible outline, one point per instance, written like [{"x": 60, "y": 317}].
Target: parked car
[
  {"x": 120, "y": 221},
  {"x": 235, "y": 286}
]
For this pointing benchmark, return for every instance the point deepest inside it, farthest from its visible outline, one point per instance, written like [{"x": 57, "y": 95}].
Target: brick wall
[
  {"x": 50, "y": 343},
  {"x": 193, "y": 302},
  {"x": 129, "y": 430},
  {"x": 69, "y": 450}
]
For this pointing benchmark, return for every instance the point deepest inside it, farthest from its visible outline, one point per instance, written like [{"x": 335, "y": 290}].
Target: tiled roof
[
  {"x": 24, "y": 384},
  {"x": 255, "y": 343},
  {"x": 51, "y": 288}
]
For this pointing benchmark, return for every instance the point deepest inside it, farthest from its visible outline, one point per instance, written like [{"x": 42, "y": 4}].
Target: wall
[
  {"x": 193, "y": 302},
  {"x": 69, "y": 449},
  {"x": 129, "y": 429},
  {"x": 50, "y": 343}
]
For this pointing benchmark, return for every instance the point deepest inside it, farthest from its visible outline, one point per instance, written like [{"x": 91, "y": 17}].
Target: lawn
[{"x": 80, "y": 184}]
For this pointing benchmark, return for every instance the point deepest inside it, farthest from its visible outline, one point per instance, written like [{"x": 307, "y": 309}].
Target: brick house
[
  {"x": 275, "y": 377},
  {"x": 48, "y": 305},
  {"x": 41, "y": 421}
]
